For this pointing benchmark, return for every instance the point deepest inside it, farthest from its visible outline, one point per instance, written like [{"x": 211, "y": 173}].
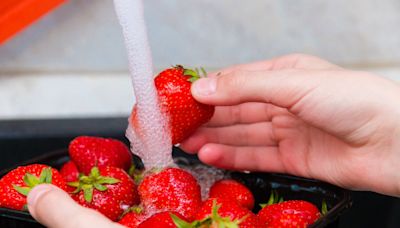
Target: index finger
[{"x": 292, "y": 61}]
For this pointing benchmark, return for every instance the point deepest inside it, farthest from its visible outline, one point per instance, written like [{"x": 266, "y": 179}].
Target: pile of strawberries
[
  {"x": 97, "y": 177},
  {"x": 101, "y": 176}
]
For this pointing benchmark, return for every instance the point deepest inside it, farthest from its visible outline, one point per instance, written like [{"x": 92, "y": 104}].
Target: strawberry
[
  {"x": 15, "y": 185},
  {"x": 232, "y": 190},
  {"x": 184, "y": 112},
  {"x": 69, "y": 171},
  {"x": 133, "y": 217},
  {"x": 162, "y": 219},
  {"x": 302, "y": 212},
  {"x": 88, "y": 151},
  {"x": 171, "y": 189},
  {"x": 108, "y": 190},
  {"x": 216, "y": 212},
  {"x": 289, "y": 221}
]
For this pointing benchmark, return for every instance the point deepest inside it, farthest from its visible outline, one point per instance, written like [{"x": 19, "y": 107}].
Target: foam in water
[
  {"x": 150, "y": 138},
  {"x": 205, "y": 175}
]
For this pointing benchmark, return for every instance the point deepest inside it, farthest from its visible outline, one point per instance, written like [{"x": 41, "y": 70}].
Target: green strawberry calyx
[
  {"x": 193, "y": 74},
  {"x": 134, "y": 209},
  {"x": 324, "y": 208},
  {"x": 93, "y": 181},
  {"x": 213, "y": 220},
  {"x": 273, "y": 199},
  {"x": 31, "y": 181},
  {"x": 136, "y": 174}
]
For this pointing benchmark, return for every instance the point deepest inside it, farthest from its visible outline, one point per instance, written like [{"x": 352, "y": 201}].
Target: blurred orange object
[{"x": 18, "y": 14}]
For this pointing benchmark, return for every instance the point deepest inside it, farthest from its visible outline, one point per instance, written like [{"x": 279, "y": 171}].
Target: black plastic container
[{"x": 338, "y": 200}]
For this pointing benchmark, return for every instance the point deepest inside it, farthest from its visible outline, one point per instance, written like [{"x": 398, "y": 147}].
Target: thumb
[
  {"x": 282, "y": 88},
  {"x": 53, "y": 207}
]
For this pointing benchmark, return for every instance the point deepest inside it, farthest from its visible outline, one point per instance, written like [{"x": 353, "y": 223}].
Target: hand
[
  {"x": 303, "y": 116},
  {"x": 53, "y": 207}
]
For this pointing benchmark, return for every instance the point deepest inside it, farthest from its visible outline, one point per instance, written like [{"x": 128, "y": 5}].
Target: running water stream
[
  {"x": 148, "y": 131},
  {"x": 148, "y": 134}
]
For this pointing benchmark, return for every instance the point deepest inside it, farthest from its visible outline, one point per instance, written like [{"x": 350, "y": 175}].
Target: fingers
[
  {"x": 53, "y": 207},
  {"x": 258, "y": 134},
  {"x": 281, "y": 88},
  {"x": 265, "y": 159},
  {"x": 244, "y": 113},
  {"x": 292, "y": 61}
]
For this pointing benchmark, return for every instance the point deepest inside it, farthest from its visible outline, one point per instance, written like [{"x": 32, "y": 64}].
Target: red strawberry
[
  {"x": 69, "y": 171},
  {"x": 184, "y": 112},
  {"x": 304, "y": 213},
  {"x": 216, "y": 212},
  {"x": 162, "y": 219},
  {"x": 133, "y": 217},
  {"x": 232, "y": 190},
  {"x": 289, "y": 221},
  {"x": 15, "y": 185},
  {"x": 108, "y": 190},
  {"x": 172, "y": 189},
  {"x": 88, "y": 151}
]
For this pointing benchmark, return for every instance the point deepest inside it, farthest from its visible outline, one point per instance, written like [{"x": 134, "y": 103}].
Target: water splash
[
  {"x": 205, "y": 175},
  {"x": 148, "y": 134}
]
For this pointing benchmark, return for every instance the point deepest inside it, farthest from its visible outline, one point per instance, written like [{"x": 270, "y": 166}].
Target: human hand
[
  {"x": 53, "y": 207},
  {"x": 303, "y": 116}
]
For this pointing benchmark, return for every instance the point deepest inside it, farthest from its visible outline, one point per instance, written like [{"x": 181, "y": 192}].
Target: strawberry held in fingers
[
  {"x": 171, "y": 189},
  {"x": 232, "y": 190},
  {"x": 15, "y": 185},
  {"x": 289, "y": 212},
  {"x": 89, "y": 151},
  {"x": 108, "y": 190},
  {"x": 184, "y": 113}
]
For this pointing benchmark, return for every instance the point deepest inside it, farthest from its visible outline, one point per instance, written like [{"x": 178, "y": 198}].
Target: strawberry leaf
[
  {"x": 107, "y": 180},
  {"x": 271, "y": 199},
  {"x": 193, "y": 74},
  {"x": 95, "y": 172},
  {"x": 190, "y": 72},
  {"x": 181, "y": 223},
  {"x": 31, "y": 180},
  {"x": 100, "y": 187},
  {"x": 88, "y": 193},
  {"x": 222, "y": 221},
  {"x": 23, "y": 190},
  {"x": 45, "y": 176},
  {"x": 324, "y": 208},
  {"x": 85, "y": 179},
  {"x": 73, "y": 184},
  {"x": 132, "y": 170}
]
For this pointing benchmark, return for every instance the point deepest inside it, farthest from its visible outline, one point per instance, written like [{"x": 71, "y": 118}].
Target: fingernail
[
  {"x": 205, "y": 86},
  {"x": 36, "y": 192}
]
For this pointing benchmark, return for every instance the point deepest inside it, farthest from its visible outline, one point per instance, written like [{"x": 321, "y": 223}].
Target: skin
[
  {"x": 295, "y": 114},
  {"x": 304, "y": 116}
]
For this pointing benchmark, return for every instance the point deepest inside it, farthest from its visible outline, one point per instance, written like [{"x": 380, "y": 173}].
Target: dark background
[{"x": 24, "y": 139}]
